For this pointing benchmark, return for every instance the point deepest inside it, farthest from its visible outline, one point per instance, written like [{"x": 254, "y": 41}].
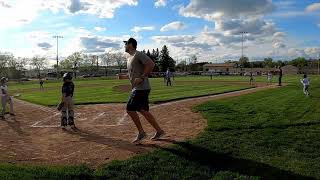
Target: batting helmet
[{"x": 67, "y": 76}]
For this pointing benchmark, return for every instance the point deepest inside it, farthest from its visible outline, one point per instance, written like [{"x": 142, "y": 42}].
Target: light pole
[
  {"x": 242, "y": 33},
  {"x": 318, "y": 64},
  {"x": 57, "y": 37}
]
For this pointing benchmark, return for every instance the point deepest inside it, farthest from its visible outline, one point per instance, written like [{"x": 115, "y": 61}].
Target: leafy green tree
[
  {"x": 268, "y": 62},
  {"x": 75, "y": 60},
  {"x": 38, "y": 63},
  {"x": 244, "y": 62},
  {"x": 299, "y": 62}
]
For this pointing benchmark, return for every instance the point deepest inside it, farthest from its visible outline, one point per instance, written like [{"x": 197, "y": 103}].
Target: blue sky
[{"x": 209, "y": 29}]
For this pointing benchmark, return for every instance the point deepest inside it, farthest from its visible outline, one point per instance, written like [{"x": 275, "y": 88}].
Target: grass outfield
[
  {"x": 103, "y": 91},
  {"x": 271, "y": 134}
]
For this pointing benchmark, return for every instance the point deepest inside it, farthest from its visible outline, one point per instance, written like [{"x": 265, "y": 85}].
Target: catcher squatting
[{"x": 66, "y": 104}]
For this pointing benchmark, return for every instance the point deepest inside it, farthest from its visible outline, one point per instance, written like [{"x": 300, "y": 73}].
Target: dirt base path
[{"x": 105, "y": 132}]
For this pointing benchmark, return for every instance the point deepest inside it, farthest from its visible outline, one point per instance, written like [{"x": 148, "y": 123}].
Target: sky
[{"x": 210, "y": 29}]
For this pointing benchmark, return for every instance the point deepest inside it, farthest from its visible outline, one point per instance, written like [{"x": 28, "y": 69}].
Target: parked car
[
  {"x": 86, "y": 76},
  {"x": 24, "y": 79}
]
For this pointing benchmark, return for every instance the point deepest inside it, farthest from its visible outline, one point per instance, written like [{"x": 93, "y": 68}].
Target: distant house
[
  {"x": 289, "y": 69},
  {"x": 226, "y": 68}
]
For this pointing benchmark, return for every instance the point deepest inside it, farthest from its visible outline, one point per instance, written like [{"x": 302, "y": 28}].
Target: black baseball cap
[{"x": 131, "y": 41}]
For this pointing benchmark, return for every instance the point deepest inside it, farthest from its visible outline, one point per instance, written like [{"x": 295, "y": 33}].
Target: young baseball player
[
  {"x": 306, "y": 82},
  {"x": 67, "y": 114},
  {"x": 168, "y": 77},
  {"x": 269, "y": 76},
  {"x": 5, "y": 98},
  {"x": 251, "y": 78},
  {"x": 41, "y": 82}
]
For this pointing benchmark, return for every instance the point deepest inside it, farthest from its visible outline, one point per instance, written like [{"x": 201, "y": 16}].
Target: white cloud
[
  {"x": 100, "y": 8},
  {"x": 312, "y": 51},
  {"x": 228, "y": 32},
  {"x": 309, "y": 52},
  {"x": 99, "y": 29},
  {"x": 278, "y": 45},
  {"x": 252, "y": 26},
  {"x": 185, "y": 43},
  {"x": 173, "y": 39},
  {"x": 213, "y": 9},
  {"x": 313, "y": 7},
  {"x": 138, "y": 29},
  {"x": 216, "y": 44},
  {"x": 176, "y": 25},
  {"x": 279, "y": 35},
  {"x": 29, "y": 10},
  {"x": 99, "y": 44},
  {"x": 233, "y": 17},
  {"x": 15, "y": 14},
  {"x": 160, "y": 3},
  {"x": 278, "y": 40}
]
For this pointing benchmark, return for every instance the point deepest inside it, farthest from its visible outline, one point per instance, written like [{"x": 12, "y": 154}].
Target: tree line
[
  {"x": 15, "y": 67},
  {"x": 299, "y": 62}
]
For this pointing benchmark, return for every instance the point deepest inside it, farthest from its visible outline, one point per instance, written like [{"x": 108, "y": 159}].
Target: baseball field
[{"x": 222, "y": 128}]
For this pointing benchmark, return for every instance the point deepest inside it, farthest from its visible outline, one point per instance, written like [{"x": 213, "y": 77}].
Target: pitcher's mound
[{"x": 122, "y": 88}]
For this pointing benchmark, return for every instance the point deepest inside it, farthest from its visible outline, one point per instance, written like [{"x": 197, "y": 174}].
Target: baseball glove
[{"x": 60, "y": 106}]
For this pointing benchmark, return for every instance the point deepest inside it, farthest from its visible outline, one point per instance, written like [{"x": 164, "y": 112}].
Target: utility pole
[
  {"x": 242, "y": 33},
  {"x": 57, "y": 37},
  {"x": 318, "y": 64},
  {"x": 97, "y": 59}
]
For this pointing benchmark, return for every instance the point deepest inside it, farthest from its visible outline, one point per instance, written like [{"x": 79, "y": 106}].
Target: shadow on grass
[{"x": 225, "y": 162}]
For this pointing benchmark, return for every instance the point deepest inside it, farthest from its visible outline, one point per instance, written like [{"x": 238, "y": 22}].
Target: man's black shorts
[{"x": 139, "y": 100}]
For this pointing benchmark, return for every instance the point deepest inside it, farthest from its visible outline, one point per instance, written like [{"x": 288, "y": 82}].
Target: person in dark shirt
[
  {"x": 67, "y": 113},
  {"x": 280, "y": 75},
  {"x": 251, "y": 78},
  {"x": 41, "y": 82}
]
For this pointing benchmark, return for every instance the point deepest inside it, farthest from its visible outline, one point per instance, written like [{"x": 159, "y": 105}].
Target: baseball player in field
[
  {"x": 306, "y": 83},
  {"x": 269, "y": 78},
  {"x": 168, "y": 77},
  {"x": 5, "y": 98},
  {"x": 41, "y": 82},
  {"x": 67, "y": 113}
]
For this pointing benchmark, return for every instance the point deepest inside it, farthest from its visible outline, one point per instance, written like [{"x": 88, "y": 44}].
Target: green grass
[
  {"x": 271, "y": 134},
  {"x": 102, "y": 90},
  {"x": 10, "y": 171}
]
